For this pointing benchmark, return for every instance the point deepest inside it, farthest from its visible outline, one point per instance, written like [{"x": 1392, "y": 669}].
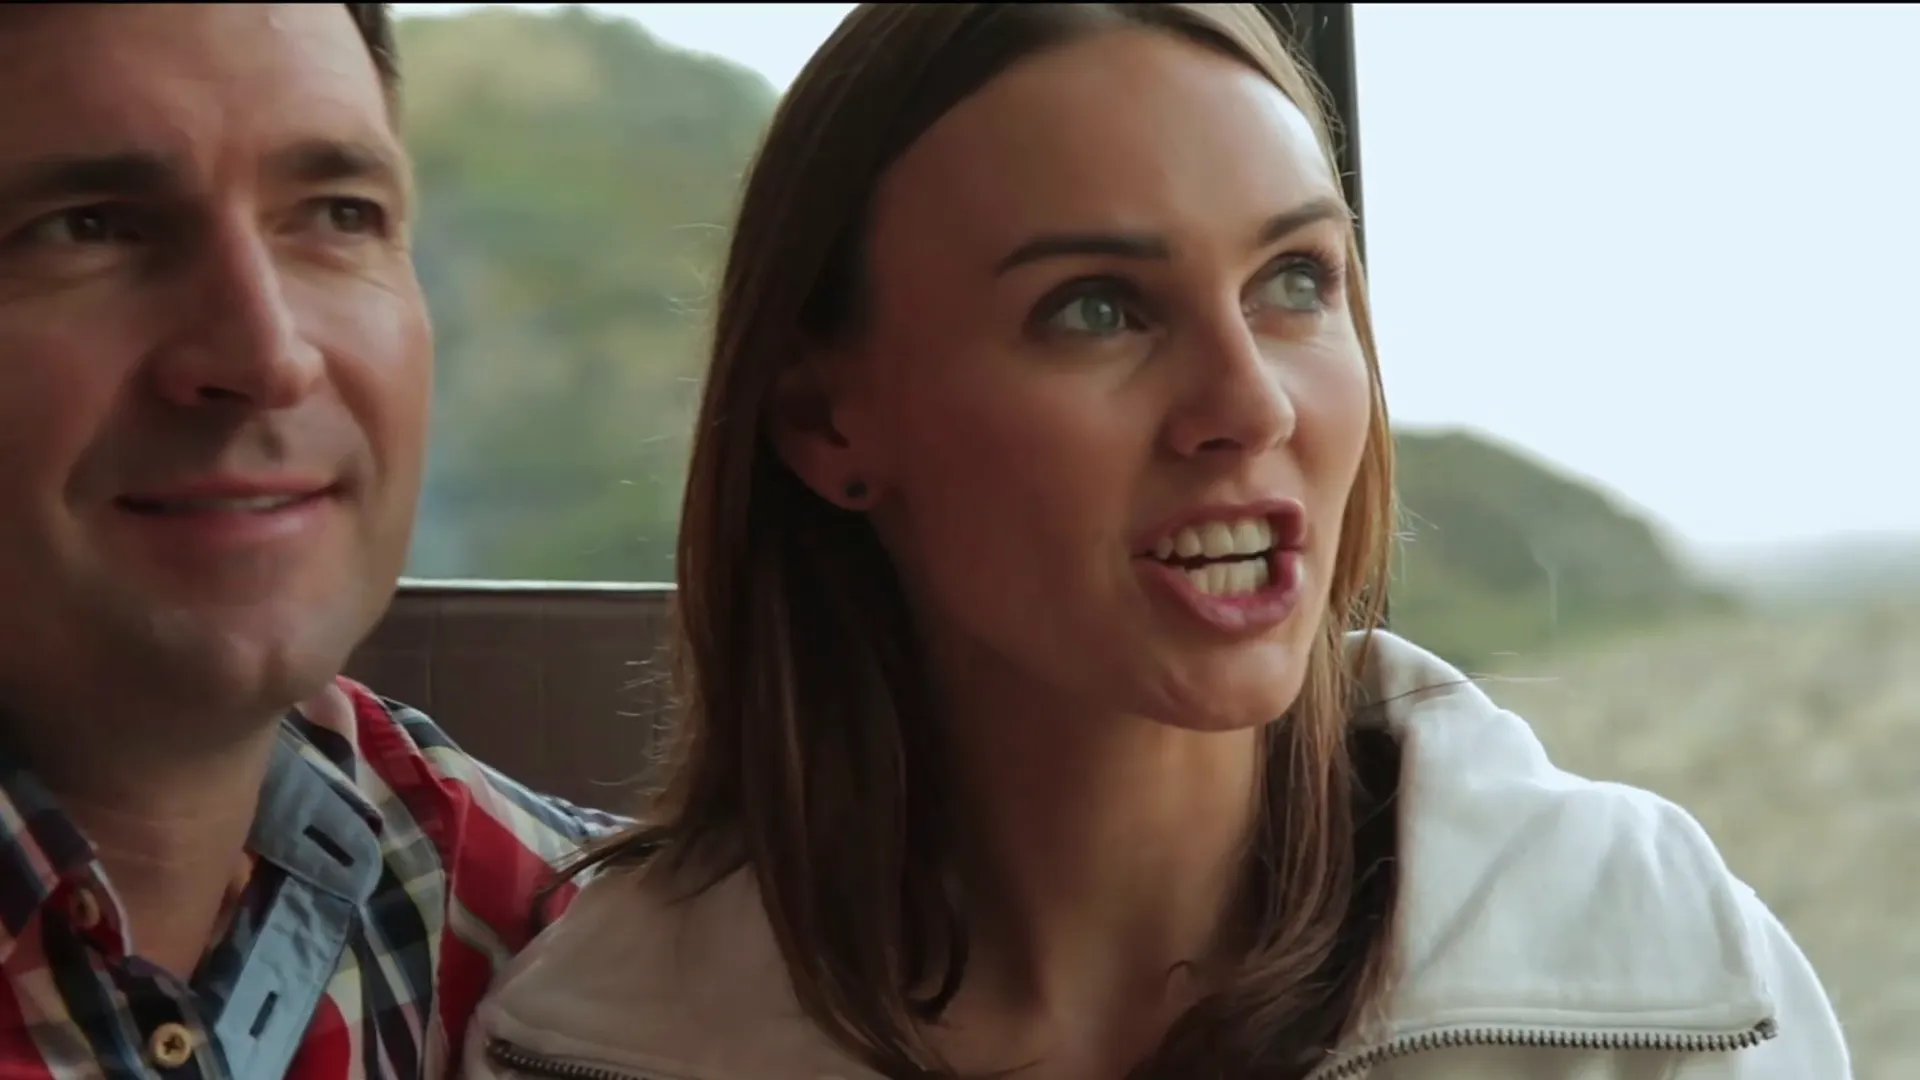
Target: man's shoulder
[{"x": 400, "y": 754}]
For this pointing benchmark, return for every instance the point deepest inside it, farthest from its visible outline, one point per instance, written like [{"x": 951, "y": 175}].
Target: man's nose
[
  {"x": 1235, "y": 397},
  {"x": 239, "y": 342}
]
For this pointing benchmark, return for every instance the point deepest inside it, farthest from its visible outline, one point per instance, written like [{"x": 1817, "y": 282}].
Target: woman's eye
[
  {"x": 1091, "y": 314},
  {"x": 1299, "y": 288}
]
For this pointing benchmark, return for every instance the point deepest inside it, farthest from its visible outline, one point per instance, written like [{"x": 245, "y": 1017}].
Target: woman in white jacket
[{"x": 1039, "y": 505}]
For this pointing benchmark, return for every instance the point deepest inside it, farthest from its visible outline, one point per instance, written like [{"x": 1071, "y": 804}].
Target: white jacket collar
[{"x": 1532, "y": 901}]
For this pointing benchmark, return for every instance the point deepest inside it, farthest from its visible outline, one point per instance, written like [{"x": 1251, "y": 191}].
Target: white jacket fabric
[{"x": 1551, "y": 928}]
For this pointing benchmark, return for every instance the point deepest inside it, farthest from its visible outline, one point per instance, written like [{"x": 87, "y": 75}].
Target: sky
[{"x": 1673, "y": 251}]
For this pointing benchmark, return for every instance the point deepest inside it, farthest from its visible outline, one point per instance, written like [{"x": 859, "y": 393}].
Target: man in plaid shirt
[{"x": 218, "y": 859}]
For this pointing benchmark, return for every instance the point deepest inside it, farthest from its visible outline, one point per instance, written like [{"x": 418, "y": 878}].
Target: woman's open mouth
[
  {"x": 1222, "y": 558},
  {"x": 1239, "y": 571}
]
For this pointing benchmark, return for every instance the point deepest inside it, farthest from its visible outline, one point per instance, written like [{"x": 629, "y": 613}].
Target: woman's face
[{"x": 1111, "y": 400}]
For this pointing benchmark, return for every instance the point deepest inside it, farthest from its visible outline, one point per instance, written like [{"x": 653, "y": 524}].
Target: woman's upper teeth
[{"x": 1218, "y": 540}]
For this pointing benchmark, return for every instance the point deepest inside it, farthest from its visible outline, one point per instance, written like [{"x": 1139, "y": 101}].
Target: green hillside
[
  {"x": 577, "y": 177},
  {"x": 1502, "y": 554}
]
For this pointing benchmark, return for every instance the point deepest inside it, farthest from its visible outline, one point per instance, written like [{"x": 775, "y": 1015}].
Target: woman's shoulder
[
  {"x": 1533, "y": 896},
  {"x": 1528, "y": 860},
  {"x": 654, "y": 977}
]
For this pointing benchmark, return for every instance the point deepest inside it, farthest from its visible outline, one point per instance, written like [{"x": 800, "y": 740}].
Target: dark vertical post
[{"x": 1324, "y": 35}]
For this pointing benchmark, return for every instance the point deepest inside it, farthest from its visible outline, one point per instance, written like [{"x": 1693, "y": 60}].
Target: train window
[
  {"x": 577, "y": 166},
  {"x": 1649, "y": 484},
  {"x": 1642, "y": 285}
]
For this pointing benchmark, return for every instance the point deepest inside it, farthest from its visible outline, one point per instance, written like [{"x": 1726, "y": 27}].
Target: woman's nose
[{"x": 1233, "y": 396}]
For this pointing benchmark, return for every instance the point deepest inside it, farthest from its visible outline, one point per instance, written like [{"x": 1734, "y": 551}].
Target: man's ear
[{"x": 808, "y": 432}]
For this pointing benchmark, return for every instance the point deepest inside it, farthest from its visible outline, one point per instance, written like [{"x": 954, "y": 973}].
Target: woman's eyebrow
[{"x": 1136, "y": 245}]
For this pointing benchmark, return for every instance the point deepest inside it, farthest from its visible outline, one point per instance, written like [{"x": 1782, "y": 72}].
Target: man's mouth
[{"x": 215, "y": 504}]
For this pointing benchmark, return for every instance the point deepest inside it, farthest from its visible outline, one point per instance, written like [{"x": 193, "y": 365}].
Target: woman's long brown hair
[{"x": 805, "y": 746}]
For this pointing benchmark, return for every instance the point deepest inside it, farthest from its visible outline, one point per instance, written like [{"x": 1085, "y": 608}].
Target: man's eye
[
  {"x": 354, "y": 216},
  {"x": 83, "y": 225}
]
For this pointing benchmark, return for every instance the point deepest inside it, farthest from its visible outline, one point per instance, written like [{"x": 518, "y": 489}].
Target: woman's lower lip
[{"x": 1243, "y": 613}]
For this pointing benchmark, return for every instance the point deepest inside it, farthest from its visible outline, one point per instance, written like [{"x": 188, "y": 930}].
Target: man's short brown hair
[{"x": 376, "y": 29}]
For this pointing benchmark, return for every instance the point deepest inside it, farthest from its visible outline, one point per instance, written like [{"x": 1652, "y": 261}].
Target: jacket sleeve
[{"x": 1808, "y": 1044}]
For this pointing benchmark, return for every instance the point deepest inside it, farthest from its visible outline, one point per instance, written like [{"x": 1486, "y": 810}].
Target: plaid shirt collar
[{"x": 41, "y": 848}]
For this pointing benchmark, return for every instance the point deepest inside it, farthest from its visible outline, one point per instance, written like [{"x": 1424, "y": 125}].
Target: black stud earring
[{"x": 856, "y": 491}]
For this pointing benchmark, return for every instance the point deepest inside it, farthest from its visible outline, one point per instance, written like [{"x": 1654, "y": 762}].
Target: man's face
[{"x": 215, "y": 362}]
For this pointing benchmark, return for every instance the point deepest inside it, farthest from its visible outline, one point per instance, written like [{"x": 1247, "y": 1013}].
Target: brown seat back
[{"x": 561, "y": 686}]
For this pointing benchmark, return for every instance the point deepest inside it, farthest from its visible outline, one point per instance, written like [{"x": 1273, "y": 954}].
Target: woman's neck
[{"x": 1100, "y": 853}]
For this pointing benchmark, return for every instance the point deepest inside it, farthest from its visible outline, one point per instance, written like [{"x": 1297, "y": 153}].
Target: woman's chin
[
  {"x": 1248, "y": 690},
  {"x": 1221, "y": 723}
]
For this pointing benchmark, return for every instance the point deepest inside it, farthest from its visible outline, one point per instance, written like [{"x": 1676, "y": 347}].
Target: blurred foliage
[{"x": 577, "y": 176}]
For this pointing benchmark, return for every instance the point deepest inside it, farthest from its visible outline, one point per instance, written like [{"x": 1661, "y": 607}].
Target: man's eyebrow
[
  {"x": 138, "y": 174},
  {"x": 132, "y": 174},
  {"x": 325, "y": 161},
  {"x": 1148, "y": 246}
]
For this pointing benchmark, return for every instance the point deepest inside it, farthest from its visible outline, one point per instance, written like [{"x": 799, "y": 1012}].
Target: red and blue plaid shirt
[{"x": 393, "y": 876}]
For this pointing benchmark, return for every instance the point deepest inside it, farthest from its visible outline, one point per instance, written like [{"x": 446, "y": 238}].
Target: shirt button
[
  {"x": 83, "y": 909},
  {"x": 170, "y": 1046}
]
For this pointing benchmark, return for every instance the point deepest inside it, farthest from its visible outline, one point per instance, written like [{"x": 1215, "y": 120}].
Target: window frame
[{"x": 1323, "y": 36}]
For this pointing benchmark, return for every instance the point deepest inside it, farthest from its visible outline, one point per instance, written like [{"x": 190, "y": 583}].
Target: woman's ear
[{"x": 809, "y": 431}]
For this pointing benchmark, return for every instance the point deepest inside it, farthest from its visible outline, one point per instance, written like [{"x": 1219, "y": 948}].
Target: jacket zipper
[
  {"x": 528, "y": 1063},
  {"x": 525, "y": 1062},
  {"x": 1460, "y": 1038}
]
